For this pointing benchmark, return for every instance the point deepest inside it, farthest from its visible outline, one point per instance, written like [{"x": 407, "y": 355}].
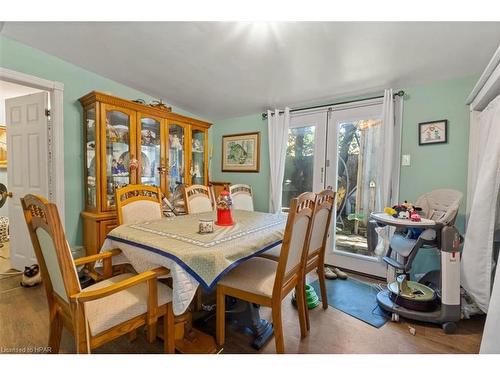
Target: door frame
[{"x": 55, "y": 136}]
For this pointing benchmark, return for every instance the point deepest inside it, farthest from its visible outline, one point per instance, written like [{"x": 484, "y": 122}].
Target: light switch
[{"x": 405, "y": 160}]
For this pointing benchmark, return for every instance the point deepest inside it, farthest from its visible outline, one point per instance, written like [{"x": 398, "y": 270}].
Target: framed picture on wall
[
  {"x": 241, "y": 152},
  {"x": 3, "y": 147},
  {"x": 433, "y": 132}
]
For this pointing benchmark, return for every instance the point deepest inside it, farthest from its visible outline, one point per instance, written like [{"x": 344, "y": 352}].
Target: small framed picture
[
  {"x": 241, "y": 152},
  {"x": 433, "y": 132}
]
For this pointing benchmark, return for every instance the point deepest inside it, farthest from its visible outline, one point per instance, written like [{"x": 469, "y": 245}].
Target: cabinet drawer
[{"x": 105, "y": 226}]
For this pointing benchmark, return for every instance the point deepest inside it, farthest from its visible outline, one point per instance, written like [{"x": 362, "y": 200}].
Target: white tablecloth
[{"x": 184, "y": 285}]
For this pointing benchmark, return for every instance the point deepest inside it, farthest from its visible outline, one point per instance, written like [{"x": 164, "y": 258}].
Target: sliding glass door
[{"x": 339, "y": 148}]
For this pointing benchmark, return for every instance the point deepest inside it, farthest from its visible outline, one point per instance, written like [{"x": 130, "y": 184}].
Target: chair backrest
[
  {"x": 197, "y": 198},
  {"x": 441, "y": 205},
  {"x": 217, "y": 187},
  {"x": 293, "y": 249},
  {"x": 51, "y": 248},
  {"x": 241, "y": 196},
  {"x": 136, "y": 203},
  {"x": 324, "y": 205}
]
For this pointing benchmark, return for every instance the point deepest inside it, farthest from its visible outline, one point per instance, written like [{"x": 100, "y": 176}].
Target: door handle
[{"x": 322, "y": 174}]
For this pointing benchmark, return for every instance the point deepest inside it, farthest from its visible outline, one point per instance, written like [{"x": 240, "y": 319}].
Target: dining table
[{"x": 197, "y": 260}]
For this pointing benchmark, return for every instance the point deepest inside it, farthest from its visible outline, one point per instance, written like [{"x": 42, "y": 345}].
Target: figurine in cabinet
[
  {"x": 197, "y": 145},
  {"x": 175, "y": 142},
  {"x": 148, "y": 138}
]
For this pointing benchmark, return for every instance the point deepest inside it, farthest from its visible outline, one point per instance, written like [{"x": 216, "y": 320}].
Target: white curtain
[
  {"x": 389, "y": 151},
  {"x": 478, "y": 245},
  {"x": 386, "y": 162},
  {"x": 491, "y": 342},
  {"x": 277, "y": 125}
]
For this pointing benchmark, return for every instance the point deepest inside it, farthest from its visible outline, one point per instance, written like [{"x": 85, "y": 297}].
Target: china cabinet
[{"x": 126, "y": 142}]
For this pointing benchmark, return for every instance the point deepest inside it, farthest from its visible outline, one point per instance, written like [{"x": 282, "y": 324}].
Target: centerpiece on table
[{"x": 224, "y": 215}]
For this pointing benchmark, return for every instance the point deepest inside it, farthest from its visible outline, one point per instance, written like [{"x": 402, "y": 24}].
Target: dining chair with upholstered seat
[
  {"x": 266, "y": 282},
  {"x": 136, "y": 203},
  {"x": 324, "y": 206},
  {"x": 217, "y": 187},
  {"x": 197, "y": 198},
  {"x": 241, "y": 196},
  {"x": 95, "y": 315}
]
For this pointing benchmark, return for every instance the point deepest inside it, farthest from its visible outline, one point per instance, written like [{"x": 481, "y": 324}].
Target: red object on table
[{"x": 224, "y": 216}]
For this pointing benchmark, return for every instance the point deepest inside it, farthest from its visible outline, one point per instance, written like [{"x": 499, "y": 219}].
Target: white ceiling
[{"x": 226, "y": 69}]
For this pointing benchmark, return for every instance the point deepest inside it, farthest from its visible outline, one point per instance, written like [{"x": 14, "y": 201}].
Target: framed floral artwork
[
  {"x": 241, "y": 152},
  {"x": 433, "y": 132}
]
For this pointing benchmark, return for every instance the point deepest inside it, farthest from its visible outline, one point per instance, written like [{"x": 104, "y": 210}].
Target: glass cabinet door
[
  {"x": 176, "y": 156},
  {"x": 118, "y": 153},
  {"x": 197, "y": 168},
  {"x": 90, "y": 158},
  {"x": 150, "y": 157}
]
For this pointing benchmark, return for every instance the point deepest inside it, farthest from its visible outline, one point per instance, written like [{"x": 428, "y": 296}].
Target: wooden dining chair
[
  {"x": 324, "y": 206},
  {"x": 241, "y": 196},
  {"x": 267, "y": 283},
  {"x": 217, "y": 187},
  {"x": 115, "y": 306},
  {"x": 197, "y": 198},
  {"x": 136, "y": 203}
]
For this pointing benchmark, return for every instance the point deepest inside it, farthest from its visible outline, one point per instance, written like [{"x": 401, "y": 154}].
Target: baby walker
[{"x": 434, "y": 297}]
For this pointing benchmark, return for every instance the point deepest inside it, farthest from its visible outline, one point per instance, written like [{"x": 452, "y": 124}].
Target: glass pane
[
  {"x": 150, "y": 151},
  {"x": 90, "y": 155},
  {"x": 299, "y": 163},
  {"x": 117, "y": 153},
  {"x": 198, "y": 157},
  {"x": 356, "y": 183},
  {"x": 176, "y": 159}
]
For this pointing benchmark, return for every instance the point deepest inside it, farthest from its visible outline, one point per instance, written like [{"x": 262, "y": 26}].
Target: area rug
[{"x": 354, "y": 298}]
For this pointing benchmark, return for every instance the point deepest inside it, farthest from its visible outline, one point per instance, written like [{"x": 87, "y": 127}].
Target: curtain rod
[{"x": 399, "y": 93}]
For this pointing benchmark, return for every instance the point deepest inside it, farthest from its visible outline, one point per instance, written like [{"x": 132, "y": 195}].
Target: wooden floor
[{"x": 24, "y": 325}]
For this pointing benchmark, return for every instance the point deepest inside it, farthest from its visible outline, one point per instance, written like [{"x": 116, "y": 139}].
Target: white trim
[
  {"x": 56, "y": 136},
  {"x": 357, "y": 262}
]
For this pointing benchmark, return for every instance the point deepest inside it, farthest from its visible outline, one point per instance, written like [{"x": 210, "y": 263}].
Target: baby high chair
[{"x": 435, "y": 297}]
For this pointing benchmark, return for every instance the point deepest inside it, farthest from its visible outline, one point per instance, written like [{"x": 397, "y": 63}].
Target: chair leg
[
  {"x": 132, "y": 335},
  {"x": 220, "y": 317},
  {"x": 55, "y": 332},
  {"x": 306, "y": 309},
  {"x": 82, "y": 346},
  {"x": 152, "y": 330},
  {"x": 169, "y": 331},
  {"x": 278, "y": 328},
  {"x": 322, "y": 286},
  {"x": 301, "y": 308}
]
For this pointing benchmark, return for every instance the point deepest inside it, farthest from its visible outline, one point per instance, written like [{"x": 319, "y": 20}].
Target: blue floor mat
[{"x": 355, "y": 298}]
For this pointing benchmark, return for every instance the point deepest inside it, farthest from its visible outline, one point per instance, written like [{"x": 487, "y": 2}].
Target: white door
[
  {"x": 305, "y": 155},
  {"x": 352, "y": 140},
  {"x": 27, "y": 170}
]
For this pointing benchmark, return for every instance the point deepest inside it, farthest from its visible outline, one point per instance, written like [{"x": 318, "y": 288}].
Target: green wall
[
  {"x": 432, "y": 166},
  {"x": 77, "y": 82},
  {"x": 441, "y": 165},
  {"x": 258, "y": 181}
]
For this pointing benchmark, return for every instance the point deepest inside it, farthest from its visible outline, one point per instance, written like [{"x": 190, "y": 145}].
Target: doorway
[
  {"x": 8, "y": 91},
  {"x": 337, "y": 147}
]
